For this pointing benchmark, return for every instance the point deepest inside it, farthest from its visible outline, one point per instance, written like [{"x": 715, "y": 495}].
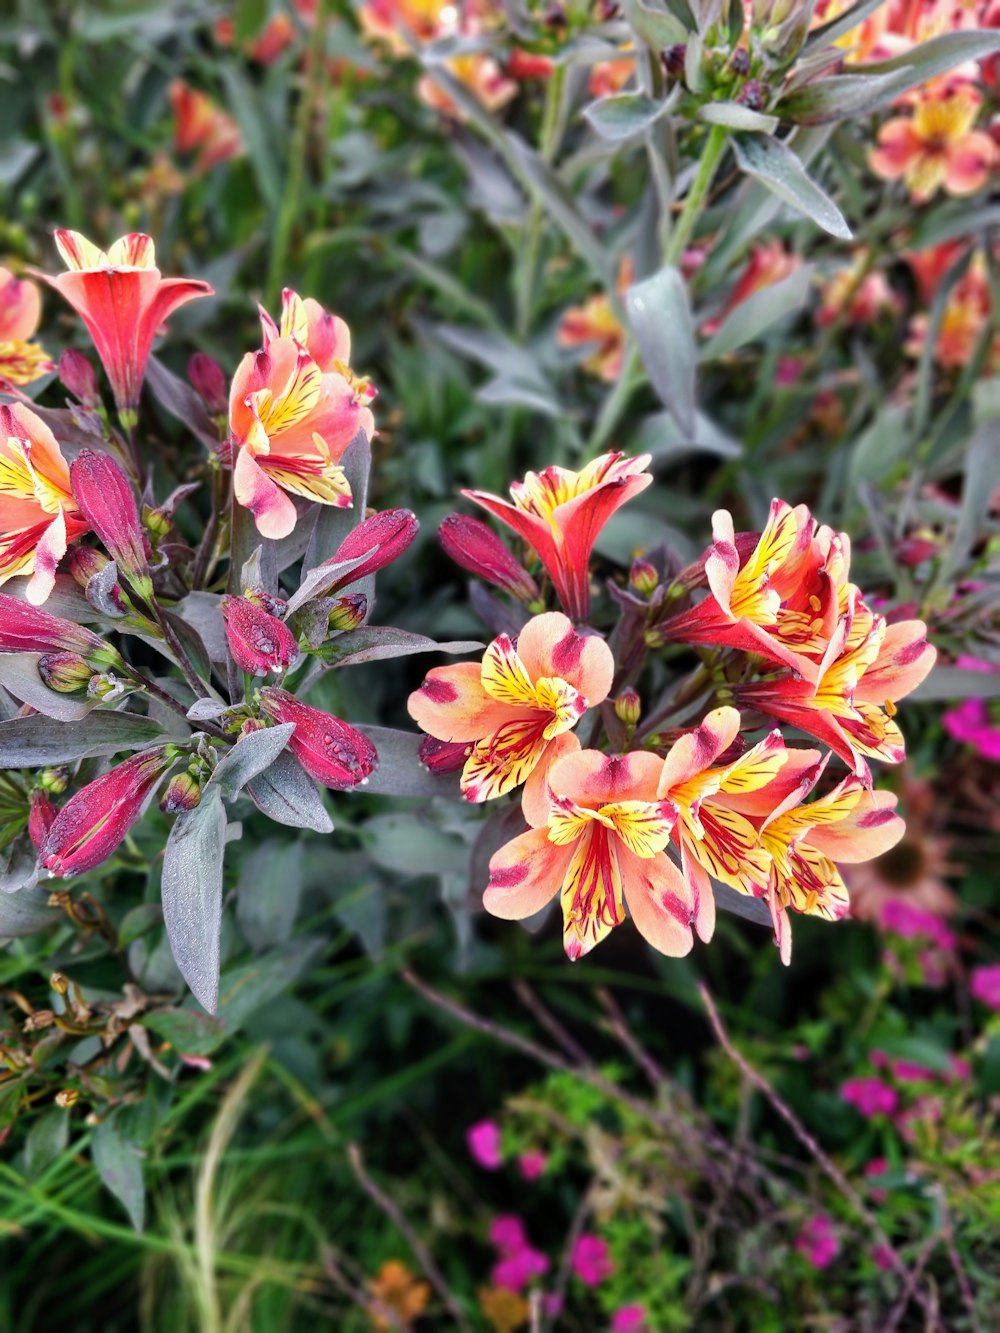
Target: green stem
[
  {"x": 552, "y": 121},
  {"x": 711, "y": 156},
  {"x": 297, "y": 158}
]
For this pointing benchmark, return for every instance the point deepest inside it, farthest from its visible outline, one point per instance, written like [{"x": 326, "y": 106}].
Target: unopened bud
[
  {"x": 183, "y": 793},
  {"x": 258, "y": 641},
  {"x": 67, "y": 1097},
  {"x": 740, "y": 61},
  {"x": 107, "y": 499},
  {"x": 348, "y": 612},
  {"x": 78, "y": 378},
  {"x": 41, "y": 816},
  {"x": 673, "y": 59},
  {"x": 156, "y": 523},
  {"x": 443, "y": 756},
  {"x": 643, "y": 577},
  {"x": 209, "y": 382},
  {"x": 654, "y": 637},
  {"x": 628, "y": 707},
  {"x": 477, "y": 549},
  {"x": 753, "y": 95},
  {"x": 59, "y": 983},
  {"x": 66, "y": 673},
  {"x": 84, "y": 563},
  {"x": 54, "y": 780},
  {"x": 274, "y": 606}
]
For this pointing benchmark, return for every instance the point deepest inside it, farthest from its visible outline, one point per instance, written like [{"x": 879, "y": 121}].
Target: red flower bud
[
  {"x": 28, "y": 629},
  {"x": 327, "y": 748},
  {"x": 66, "y": 673},
  {"x": 41, "y": 815},
  {"x": 476, "y": 548},
  {"x": 258, "y": 641},
  {"x": 348, "y": 612},
  {"x": 84, "y": 562},
  {"x": 94, "y": 822},
  {"x": 79, "y": 378},
  {"x": 183, "y": 793},
  {"x": 209, "y": 382},
  {"x": 389, "y": 533},
  {"x": 105, "y": 495},
  {"x": 443, "y": 756}
]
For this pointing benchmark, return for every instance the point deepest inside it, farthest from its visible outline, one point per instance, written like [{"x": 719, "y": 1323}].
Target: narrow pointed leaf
[
  {"x": 192, "y": 895},
  {"x": 775, "y": 165}
]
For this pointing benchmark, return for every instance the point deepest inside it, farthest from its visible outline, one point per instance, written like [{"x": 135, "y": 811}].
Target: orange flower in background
[
  {"x": 967, "y": 315},
  {"x": 203, "y": 128},
  {"x": 861, "y": 297},
  {"x": 803, "y": 842},
  {"x": 515, "y": 709},
  {"x": 38, "y": 514},
  {"x": 124, "y": 300},
  {"x": 290, "y": 424},
  {"x": 595, "y": 323},
  {"x": 610, "y": 76},
  {"x": 601, "y": 844},
  {"x": 21, "y": 359},
  {"x": 327, "y": 339},
  {"x": 560, "y": 514},
  {"x": 937, "y": 148},
  {"x": 477, "y": 72},
  {"x": 713, "y": 840},
  {"x": 398, "y": 1297},
  {"x": 768, "y": 263},
  {"x": 426, "y": 20}
]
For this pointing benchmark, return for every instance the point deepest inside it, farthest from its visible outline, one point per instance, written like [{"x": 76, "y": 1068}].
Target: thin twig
[
  {"x": 579, "y": 1221},
  {"x": 420, "y": 1251},
  {"x": 905, "y": 1296},
  {"x": 550, "y": 1023},
  {"x": 657, "y": 1078},
  {"x": 828, "y": 1166}
]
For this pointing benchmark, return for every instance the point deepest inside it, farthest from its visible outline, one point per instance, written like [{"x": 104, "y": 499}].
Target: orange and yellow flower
[
  {"x": 38, "y": 514},
  {"x": 202, "y": 128},
  {"x": 124, "y": 300},
  {"x": 560, "y": 514},
  {"x": 21, "y": 359},
  {"x": 966, "y": 317},
  {"x": 595, "y": 324},
  {"x": 937, "y": 148},
  {"x": 599, "y": 843},
  {"x": 515, "y": 710},
  {"x": 767, "y": 264}
]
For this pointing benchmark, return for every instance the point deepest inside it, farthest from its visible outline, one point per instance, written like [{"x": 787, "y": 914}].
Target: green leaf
[
  {"x": 119, "y": 1164},
  {"x": 251, "y": 755},
  {"x": 25, "y": 912},
  {"x": 19, "y": 675},
  {"x": 192, "y": 895},
  {"x": 37, "y": 742},
  {"x": 249, "y": 18},
  {"x": 288, "y": 795},
  {"x": 882, "y": 446},
  {"x": 253, "y": 126},
  {"x": 268, "y": 892},
  {"x": 189, "y": 1031},
  {"x": 739, "y": 904},
  {"x": 623, "y": 116},
  {"x": 656, "y": 28},
  {"x": 376, "y": 643},
  {"x": 245, "y": 989},
  {"x": 831, "y": 32},
  {"x": 658, "y": 435},
  {"x": 660, "y": 316},
  {"x": 773, "y": 163},
  {"x": 400, "y": 771},
  {"x": 737, "y": 117},
  {"x": 948, "y": 682},
  {"x": 758, "y": 312},
  {"x": 46, "y": 1139}
]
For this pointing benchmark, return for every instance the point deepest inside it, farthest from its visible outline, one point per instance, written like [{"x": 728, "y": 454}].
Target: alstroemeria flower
[
  {"x": 124, "y": 300},
  {"x": 258, "y": 641},
  {"x": 768, "y": 263},
  {"x": 107, "y": 500},
  {"x": 28, "y": 629},
  {"x": 756, "y": 586},
  {"x": 327, "y": 339},
  {"x": 21, "y": 359},
  {"x": 713, "y": 839},
  {"x": 598, "y": 842},
  {"x": 38, "y": 514},
  {"x": 938, "y": 148},
  {"x": 516, "y": 708},
  {"x": 560, "y": 514},
  {"x": 94, "y": 822},
  {"x": 595, "y": 324},
  {"x": 329, "y": 749},
  {"x": 202, "y": 127},
  {"x": 868, "y": 666},
  {"x": 804, "y": 841},
  {"x": 290, "y": 424}
]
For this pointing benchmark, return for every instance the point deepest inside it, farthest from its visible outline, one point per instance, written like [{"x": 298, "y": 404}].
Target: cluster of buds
[{"x": 788, "y": 637}]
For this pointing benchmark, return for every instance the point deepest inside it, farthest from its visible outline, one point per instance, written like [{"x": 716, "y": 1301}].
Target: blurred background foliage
[{"x": 304, "y": 1159}]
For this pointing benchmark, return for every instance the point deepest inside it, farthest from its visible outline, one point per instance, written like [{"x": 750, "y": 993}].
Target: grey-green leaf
[
  {"x": 660, "y": 315},
  {"x": 252, "y": 754},
  {"x": 758, "y": 312},
  {"x": 288, "y": 795},
  {"x": 36, "y": 742},
  {"x": 622, "y": 116},
  {"x": 774, "y": 164},
  {"x": 192, "y": 895},
  {"x": 119, "y": 1164}
]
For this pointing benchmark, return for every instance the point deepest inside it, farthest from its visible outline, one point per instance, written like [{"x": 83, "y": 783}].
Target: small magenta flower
[
  {"x": 629, "y": 1319},
  {"x": 984, "y": 985},
  {"x": 107, "y": 500},
  {"x": 258, "y": 641},
  {"x": 483, "y": 1139},
  {"x": 520, "y": 1263},
  {"x": 383, "y": 537},
  {"x": 478, "y": 550},
  {"x": 818, "y": 1242},
  {"x": 330, "y": 751},
  {"x": 94, "y": 822},
  {"x": 870, "y": 1096},
  {"x": 531, "y": 1164},
  {"x": 591, "y": 1260}
]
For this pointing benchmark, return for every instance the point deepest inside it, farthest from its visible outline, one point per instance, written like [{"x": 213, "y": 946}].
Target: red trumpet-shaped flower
[
  {"x": 21, "y": 358},
  {"x": 477, "y": 549},
  {"x": 598, "y": 843},
  {"x": 332, "y": 752},
  {"x": 560, "y": 513},
  {"x": 29, "y": 629},
  {"x": 105, "y": 495},
  {"x": 94, "y": 822},
  {"x": 258, "y": 641},
  {"x": 124, "y": 301},
  {"x": 38, "y": 514}
]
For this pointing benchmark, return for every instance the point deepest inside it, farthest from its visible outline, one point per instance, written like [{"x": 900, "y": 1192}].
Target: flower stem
[
  {"x": 552, "y": 120},
  {"x": 711, "y": 156}
]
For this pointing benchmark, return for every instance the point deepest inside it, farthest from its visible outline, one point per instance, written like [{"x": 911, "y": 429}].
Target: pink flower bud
[
  {"x": 28, "y": 629},
  {"x": 94, "y": 822},
  {"x": 348, "y": 612},
  {"x": 209, "y": 382},
  {"x": 105, "y": 495},
  {"x": 258, "y": 641},
  {"x": 643, "y": 577},
  {"x": 476, "y": 548},
  {"x": 66, "y": 673},
  {"x": 443, "y": 756},
  {"x": 389, "y": 533},
  {"x": 41, "y": 815},
  {"x": 78, "y": 378},
  {"x": 327, "y": 748},
  {"x": 183, "y": 793}
]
